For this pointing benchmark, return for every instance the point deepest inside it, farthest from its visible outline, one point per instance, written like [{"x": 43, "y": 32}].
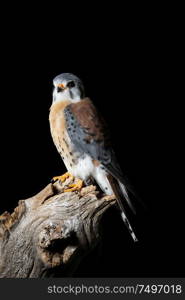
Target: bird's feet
[
  {"x": 63, "y": 177},
  {"x": 75, "y": 186}
]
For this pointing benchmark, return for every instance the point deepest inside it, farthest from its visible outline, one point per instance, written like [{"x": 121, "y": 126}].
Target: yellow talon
[
  {"x": 75, "y": 186},
  {"x": 63, "y": 177}
]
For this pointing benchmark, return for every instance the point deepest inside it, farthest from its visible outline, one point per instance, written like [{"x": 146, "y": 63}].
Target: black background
[{"x": 127, "y": 72}]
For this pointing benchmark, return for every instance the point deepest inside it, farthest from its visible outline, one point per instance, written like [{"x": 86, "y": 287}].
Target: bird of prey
[{"x": 81, "y": 137}]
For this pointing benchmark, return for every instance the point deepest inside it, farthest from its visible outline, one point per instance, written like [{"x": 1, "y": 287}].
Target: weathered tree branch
[{"x": 51, "y": 233}]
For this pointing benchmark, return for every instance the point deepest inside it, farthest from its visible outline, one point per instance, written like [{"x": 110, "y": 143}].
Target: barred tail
[{"x": 122, "y": 197}]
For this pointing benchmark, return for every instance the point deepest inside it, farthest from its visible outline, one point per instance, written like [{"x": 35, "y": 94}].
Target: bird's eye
[
  {"x": 70, "y": 84},
  {"x": 59, "y": 89}
]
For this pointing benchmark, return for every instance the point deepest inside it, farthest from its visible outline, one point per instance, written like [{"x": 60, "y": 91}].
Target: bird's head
[{"x": 67, "y": 87}]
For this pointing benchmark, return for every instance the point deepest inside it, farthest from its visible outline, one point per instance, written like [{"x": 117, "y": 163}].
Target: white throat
[{"x": 65, "y": 95}]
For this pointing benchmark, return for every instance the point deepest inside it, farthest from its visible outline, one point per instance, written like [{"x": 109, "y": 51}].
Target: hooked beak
[{"x": 61, "y": 87}]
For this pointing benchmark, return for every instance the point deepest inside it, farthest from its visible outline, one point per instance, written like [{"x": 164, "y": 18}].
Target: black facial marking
[{"x": 71, "y": 94}]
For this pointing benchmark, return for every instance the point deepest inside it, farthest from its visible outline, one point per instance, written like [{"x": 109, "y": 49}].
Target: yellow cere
[{"x": 61, "y": 85}]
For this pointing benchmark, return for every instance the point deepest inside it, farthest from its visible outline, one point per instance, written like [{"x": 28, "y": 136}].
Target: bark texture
[{"x": 49, "y": 234}]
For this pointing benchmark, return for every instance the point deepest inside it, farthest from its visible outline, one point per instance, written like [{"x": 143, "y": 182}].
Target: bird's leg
[
  {"x": 75, "y": 186},
  {"x": 63, "y": 177},
  {"x": 89, "y": 181}
]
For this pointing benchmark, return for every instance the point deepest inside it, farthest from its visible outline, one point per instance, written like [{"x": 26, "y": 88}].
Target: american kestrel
[{"x": 82, "y": 139}]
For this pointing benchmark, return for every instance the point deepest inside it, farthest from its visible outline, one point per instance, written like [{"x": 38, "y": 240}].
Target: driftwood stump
[{"x": 50, "y": 233}]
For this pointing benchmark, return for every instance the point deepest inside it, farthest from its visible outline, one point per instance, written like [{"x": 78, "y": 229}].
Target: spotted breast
[{"x": 60, "y": 135}]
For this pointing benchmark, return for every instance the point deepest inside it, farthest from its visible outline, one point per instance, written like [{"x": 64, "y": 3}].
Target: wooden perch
[{"x": 51, "y": 233}]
